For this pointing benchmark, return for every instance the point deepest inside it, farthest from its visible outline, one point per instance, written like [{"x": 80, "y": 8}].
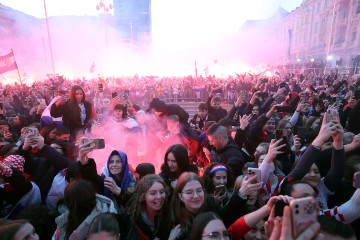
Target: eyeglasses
[
  {"x": 218, "y": 236},
  {"x": 191, "y": 193}
]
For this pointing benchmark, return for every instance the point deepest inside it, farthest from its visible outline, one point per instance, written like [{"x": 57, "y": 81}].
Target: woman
[
  {"x": 307, "y": 171},
  {"x": 76, "y": 112},
  {"x": 176, "y": 162},
  {"x": 209, "y": 226},
  {"x": 147, "y": 212},
  {"x": 49, "y": 133},
  {"x": 83, "y": 206},
  {"x": 104, "y": 226},
  {"x": 216, "y": 181},
  {"x": 118, "y": 180},
  {"x": 115, "y": 182},
  {"x": 17, "y": 230},
  {"x": 189, "y": 200}
]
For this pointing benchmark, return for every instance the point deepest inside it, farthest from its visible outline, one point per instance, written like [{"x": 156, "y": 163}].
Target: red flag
[{"x": 7, "y": 63}]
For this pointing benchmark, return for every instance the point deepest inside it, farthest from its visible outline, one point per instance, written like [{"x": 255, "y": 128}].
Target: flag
[
  {"x": 196, "y": 73},
  {"x": 7, "y": 63},
  {"x": 46, "y": 116},
  {"x": 206, "y": 71},
  {"x": 92, "y": 68}
]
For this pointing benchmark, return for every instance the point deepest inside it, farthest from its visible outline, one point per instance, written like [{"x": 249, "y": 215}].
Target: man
[
  {"x": 227, "y": 151},
  {"x": 215, "y": 109}
]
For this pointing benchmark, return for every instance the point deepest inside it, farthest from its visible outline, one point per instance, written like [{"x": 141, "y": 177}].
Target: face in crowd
[
  {"x": 115, "y": 165},
  {"x": 192, "y": 196},
  {"x": 220, "y": 178},
  {"x": 155, "y": 197}
]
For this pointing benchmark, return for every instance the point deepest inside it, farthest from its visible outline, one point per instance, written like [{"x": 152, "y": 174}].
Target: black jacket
[
  {"x": 70, "y": 114},
  {"x": 232, "y": 157}
]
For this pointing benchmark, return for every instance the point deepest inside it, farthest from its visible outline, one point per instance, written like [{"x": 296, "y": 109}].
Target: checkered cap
[{"x": 15, "y": 161}]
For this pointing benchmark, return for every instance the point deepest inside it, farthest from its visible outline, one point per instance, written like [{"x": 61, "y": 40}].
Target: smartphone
[
  {"x": 99, "y": 143},
  {"x": 304, "y": 213},
  {"x": 279, "y": 208},
  {"x": 1, "y": 106},
  {"x": 126, "y": 94},
  {"x": 282, "y": 85},
  {"x": 220, "y": 190},
  {"x": 114, "y": 94},
  {"x": 33, "y": 130},
  {"x": 332, "y": 115},
  {"x": 356, "y": 180},
  {"x": 279, "y": 134},
  {"x": 254, "y": 171},
  {"x": 301, "y": 133}
]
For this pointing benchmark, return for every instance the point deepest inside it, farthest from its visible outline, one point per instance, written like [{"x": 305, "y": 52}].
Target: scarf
[{"x": 201, "y": 121}]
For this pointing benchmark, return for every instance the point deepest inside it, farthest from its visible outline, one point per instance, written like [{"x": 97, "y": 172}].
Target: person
[
  {"x": 17, "y": 230},
  {"x": 189, "y": 200},
  {"x": 216, "y": 175},
  {"x": 76, "y": 112},
  {"x": 209, "y": 226},
  {"x": 147, "y": 213},
  {"x": 104, "y": 226},
  {"x": 17, "y": 192},
  {"x": 201, "y": 118},
  {"x": 48, "y": 132},
  {"x": 308, "y": 171},
  {"x": 143, "y": 169},
  {"x": 116, "y": 180},
  {"x": 227, "y": 151},
  {"x": 176, "y": 161},
  {"x": 214, "y": 107},
  {"x": 83, "y": 205}
]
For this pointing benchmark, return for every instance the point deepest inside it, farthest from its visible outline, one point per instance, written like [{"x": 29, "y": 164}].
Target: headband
[{"x": 217, "y": 168}]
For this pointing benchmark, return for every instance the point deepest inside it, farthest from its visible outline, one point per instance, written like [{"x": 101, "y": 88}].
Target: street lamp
[
  {"x": 106, "y": 7},
  {"x": 329, "y": 57}
]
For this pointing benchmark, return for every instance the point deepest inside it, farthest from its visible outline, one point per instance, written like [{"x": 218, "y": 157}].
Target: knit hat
[
  {"x": 15, "y": 161},
  {"x": 158, "y": 105}
]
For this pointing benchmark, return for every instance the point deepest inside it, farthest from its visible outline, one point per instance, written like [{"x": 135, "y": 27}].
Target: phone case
[
  {"x": 304, "y": 213},
  {"x": 332, "y": 115},
  {"x": 254, "y": 171}
]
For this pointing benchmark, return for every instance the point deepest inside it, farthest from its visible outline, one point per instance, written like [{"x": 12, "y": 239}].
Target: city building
[
  {"x": 133, "y": 19},
  {"x": 328, "y": 30}
]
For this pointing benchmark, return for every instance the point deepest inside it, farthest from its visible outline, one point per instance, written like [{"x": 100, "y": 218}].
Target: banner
[{"x": 7, "y": 63}]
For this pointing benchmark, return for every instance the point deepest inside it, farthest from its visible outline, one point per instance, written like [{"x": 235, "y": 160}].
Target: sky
[
  {"x": 183, "y": 32},
  {"x": 88, "y": 7}
]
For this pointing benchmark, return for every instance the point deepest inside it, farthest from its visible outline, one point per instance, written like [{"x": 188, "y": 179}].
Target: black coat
[
  {"x": 232, "y": 157},
  {"x": 70, "y": 114}
]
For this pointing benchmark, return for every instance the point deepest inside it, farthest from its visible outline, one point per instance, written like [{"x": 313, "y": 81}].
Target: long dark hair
[
  {"x": 104, "y": 222},
  {"x": 208, "y": 179},
  {"x": 181, "y": 157},
  {"x": 179, "y": 213},
  {"x": 200, "y": 223},
  {"x": 73, "y": 92},
  {"x": 9, "y": 228},
  {"x": 80, "y": 199}
]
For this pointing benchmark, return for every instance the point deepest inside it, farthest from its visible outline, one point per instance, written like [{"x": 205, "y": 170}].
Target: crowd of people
[{"x": 114, "y": 159}]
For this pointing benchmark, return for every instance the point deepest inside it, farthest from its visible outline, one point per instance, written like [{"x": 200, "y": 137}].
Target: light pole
[{"x": 106, "y": 7}]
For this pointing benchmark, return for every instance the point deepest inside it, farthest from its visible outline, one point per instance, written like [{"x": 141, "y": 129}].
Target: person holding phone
[
  {"x": 116, "y": 181},
  {"x": 216, "y": 180},
  {"x": 76, "y": 112}
]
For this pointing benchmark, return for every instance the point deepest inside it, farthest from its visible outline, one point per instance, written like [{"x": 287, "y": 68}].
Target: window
[{"x": 358, "y": 7}]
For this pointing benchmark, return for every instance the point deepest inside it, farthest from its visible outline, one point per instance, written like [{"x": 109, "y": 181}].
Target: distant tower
[{"x": 133, "y": 18}]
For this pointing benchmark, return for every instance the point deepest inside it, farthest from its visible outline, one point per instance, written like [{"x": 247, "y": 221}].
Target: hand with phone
[
  {"x": 220, "y": 193},
  {"x": 327, "y": 129},
  {"x": 248, "y": 187},
  {"x": 84, "y": 148},
  {"x": 31, "y": 140},
  {"x": 61, "y": 101},
  {"x": 283, "y": 229},
  {"x": 274, "y": 150},
  {"x": 111, "y": 185}
]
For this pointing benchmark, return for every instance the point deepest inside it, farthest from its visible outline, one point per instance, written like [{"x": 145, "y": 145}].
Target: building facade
[
  {"x": 133, "y": 19},
  {"x": 328, "y": 30}
]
